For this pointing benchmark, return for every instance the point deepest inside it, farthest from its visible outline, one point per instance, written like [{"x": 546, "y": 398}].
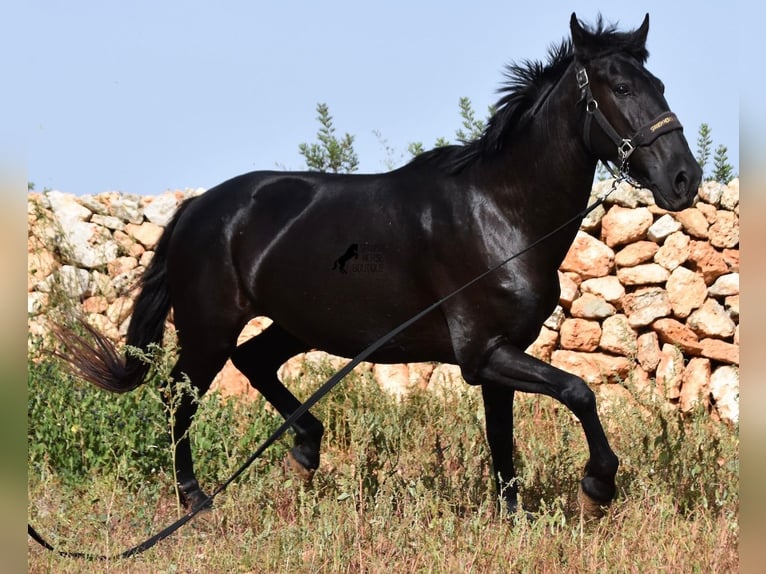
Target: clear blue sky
[{"x": 144, "y": 96}]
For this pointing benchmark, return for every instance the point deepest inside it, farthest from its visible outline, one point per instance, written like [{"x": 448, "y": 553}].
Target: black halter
[{"x": 664, "y": 123}]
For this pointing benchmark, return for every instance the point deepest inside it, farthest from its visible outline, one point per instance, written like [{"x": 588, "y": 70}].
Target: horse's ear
[
  {"x": 578, "y": 33},
  {"x": 643, "y": 31}
]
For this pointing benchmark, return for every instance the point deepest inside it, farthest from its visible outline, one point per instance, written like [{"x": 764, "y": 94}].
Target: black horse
[{"x": 262, "y": 244}]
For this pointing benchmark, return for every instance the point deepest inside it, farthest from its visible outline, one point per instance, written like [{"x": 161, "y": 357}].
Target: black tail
[{"x": 94, "y": 357}]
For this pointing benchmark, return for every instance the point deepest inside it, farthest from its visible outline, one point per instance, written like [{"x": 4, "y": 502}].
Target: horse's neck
[
  {"x": 542, "y": 178},
  {"x": 546, "y": 170}
]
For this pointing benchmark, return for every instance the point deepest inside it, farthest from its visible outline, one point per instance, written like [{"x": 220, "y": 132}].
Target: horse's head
[{"x": 633, "y": 126}]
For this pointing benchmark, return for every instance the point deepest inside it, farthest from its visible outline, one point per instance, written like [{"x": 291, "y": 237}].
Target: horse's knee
[{"x": 578, "y": 396}]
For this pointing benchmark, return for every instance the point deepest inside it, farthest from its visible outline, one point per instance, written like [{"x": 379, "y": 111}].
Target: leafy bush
[{"x": 75, "y": 429}]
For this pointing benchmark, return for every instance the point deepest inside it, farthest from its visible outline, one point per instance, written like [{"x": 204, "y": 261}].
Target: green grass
[{"x": 403, "y": 486}]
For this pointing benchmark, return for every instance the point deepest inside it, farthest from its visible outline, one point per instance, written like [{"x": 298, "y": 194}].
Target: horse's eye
[{"x": 622, "y": 89}]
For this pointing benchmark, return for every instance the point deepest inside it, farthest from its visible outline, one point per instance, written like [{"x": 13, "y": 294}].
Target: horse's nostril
[{"x": 681, "y": 183}]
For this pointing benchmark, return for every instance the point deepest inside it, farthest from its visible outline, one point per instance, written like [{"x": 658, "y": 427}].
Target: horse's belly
[{"x": 344, "y": 314}]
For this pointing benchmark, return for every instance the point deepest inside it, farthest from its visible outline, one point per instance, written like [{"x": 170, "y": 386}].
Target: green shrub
[{"x": 76, "y": 430}]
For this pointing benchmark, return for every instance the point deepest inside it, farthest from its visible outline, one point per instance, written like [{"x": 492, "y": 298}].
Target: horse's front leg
[
  {"x": 498, "y": 413},
  {"x": 514, "y": 370}
]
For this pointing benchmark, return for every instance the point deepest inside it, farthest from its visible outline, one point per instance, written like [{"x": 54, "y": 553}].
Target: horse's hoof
[
  {"x": 590, "y": 508},
  {"x": 292, "y": 465},
  {"x": 196, "y": 500}
]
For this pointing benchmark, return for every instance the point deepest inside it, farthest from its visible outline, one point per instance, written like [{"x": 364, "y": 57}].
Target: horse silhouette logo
[{"x": 351, "y": 253}]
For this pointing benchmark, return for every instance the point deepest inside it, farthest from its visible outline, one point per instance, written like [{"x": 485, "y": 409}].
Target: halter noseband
[{"x": 664, "y": 123}]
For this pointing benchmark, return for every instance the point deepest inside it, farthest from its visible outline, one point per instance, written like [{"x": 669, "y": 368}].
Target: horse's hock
[{"x": 649, "y": 299}]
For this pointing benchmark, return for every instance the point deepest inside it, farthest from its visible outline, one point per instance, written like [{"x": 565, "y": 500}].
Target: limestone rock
[
  {"x": 731, "y": 258},
  {"x": 75, "y": 282},
  {"x": 645, "y": 305},
  {"x": 724, "y": 388},
  {"x": 544, "y": 345},
  {"x": 589, "y": 306},
  {"x": 588, "y": 257},
  {"x": 731, "y": 304},
  {"x": 592, "y": 222},
  {"x": 711, "y": 320},
  {"x": 108, "y": 221},
  {"x": 621, "y": 225},
  {"x": 662, "y": 228},
  {"x": 555, "y": 319},
  {"x": 400, "y": 380},
  {"x": 670, "y": 371},
  {"x": 608, "y": 288},
  {"x": 127, "y": 207},
  {"x": 617, "y": 336},
  {"x": 580, "y": 334},
  {"x": 121, "y": 265},
  {"x": 40, "y": 264},
  {"x": 67, "y": 209},
  {"x": 645, "y": 274},
  {"x": 97, "y": 204},
  {"x": 568, "y": 290},
  {"x": 730, "y": 195},
  {"x": 635, "y": 253},
  {"x": 725, "y": 231},
  {"x": 648, "y": 351},
  {"x": 147, "y": 234},
  {"x": 676, "y": 333},
  {"x": 624, "y": 195},
  {"x": 711, "y": 191},
  {"x": 725, "y": 286},
  {"x": 707, "y": 261},
  {"x": 394, "y": 379},
  {"x": 695, "y": 384},
  {"x": 593, "y": 368},
  {"x": 720, "y": 351},
  {"x": 161, "y": 209},
  {"x": 674, "y": 252},
  {"x": 709, "y": 211},
  {"x": 95, "y": 304},
  {"x": 686, "y": 291},
  {"x": 693, "y": 222},
  {"x": 128, "y": 244},
  {"x": 37, "y": 302}
]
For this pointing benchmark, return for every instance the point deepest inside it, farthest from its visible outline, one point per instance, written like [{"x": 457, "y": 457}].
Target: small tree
[
  {"x": 329, "y": 154},
  {"x": 470, "y": 129},
  {"x": 723, "y": 171},
  {"x": 704, "y": 144},
  {"x": 473, "y": 128}
]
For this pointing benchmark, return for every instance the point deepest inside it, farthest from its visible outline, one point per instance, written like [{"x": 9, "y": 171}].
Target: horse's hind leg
[
  {"x": 259, "y": 359},
  {"x": 207, "y": 334},
  {"x": 200, "y": 367}
]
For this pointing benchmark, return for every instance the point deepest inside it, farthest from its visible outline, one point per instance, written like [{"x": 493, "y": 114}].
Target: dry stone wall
[{"x": 649, "y": 299}]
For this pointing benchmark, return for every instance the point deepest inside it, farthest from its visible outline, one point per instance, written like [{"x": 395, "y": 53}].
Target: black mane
[{"x": 526, "y": 85}]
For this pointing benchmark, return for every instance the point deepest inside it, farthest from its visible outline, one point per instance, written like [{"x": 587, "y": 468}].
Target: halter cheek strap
[{"x": 664, "y": 123}]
